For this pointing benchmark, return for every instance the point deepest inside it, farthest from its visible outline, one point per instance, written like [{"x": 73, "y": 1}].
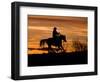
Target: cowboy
[{"x": 56, "y": 35}]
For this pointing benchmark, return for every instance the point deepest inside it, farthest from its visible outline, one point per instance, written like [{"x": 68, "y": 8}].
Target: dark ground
[{"x": 57, "y": 59}]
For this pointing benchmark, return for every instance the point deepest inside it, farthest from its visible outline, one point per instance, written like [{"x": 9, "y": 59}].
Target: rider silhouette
[{"x": 56, "y": 35}]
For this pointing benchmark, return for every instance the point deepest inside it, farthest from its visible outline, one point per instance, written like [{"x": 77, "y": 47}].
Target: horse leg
[
  {"x": 58, "y": 48},
  {"x": 62, "y": 49},
  {"x": 49, "y": 48}
]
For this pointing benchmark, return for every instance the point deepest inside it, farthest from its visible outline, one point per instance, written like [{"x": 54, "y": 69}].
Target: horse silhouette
[{"x": 55, "y": 42}]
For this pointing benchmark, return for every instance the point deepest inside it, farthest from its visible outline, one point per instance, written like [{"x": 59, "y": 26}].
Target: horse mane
[{"x": 62, "y": 35}]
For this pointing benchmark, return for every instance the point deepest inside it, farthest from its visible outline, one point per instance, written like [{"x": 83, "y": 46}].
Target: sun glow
[{"x": 41, "y": 27}]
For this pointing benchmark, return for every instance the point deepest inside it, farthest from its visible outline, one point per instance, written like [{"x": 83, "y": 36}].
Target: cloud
[{"x": 39, "y": 28}]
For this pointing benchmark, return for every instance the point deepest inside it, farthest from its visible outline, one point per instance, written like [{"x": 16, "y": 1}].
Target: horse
[{"x": 51, "y": 41}]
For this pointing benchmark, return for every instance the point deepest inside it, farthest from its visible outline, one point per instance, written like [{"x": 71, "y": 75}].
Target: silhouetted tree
[{"x": 79, "y": 46}]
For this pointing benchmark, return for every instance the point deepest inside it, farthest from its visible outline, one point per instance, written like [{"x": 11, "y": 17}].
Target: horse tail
[{"x": 42, "y": 42}]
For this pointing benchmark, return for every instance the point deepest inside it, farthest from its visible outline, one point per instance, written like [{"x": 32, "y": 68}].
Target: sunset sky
[{"x": 41, "y": 27}]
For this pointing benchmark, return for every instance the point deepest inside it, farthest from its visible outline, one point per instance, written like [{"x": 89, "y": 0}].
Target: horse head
[{"x": 63, "y": 37}]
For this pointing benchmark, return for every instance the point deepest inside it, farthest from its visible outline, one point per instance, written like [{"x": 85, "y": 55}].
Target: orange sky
[{"x": 41, "y": 27}]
